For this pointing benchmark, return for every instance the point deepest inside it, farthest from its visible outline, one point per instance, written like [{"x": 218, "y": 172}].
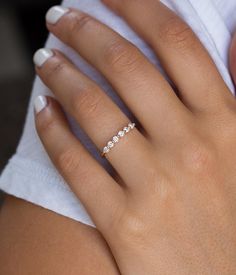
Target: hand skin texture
[
  {"x": 35, "y": 241},
  {"x": 173, "y": 211}
]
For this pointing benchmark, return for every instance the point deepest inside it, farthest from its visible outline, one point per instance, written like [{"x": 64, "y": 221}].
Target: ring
[{"x": 111, "y": 143}]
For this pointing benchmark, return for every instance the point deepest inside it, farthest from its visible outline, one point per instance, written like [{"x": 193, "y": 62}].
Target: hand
[{"x": 171, "y": 208}]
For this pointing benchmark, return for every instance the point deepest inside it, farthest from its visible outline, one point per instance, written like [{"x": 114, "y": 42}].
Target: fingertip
[
  {"x": 42, "y": 114},
  {"x": 41, "y": 56},
  {"x": 48, "y": 116},
  {"x": 55, "y": 13},
  {"x": 40, "y": 103},
  {"x": 46, "y": 109},
  {"x": 47, "y": 104}
]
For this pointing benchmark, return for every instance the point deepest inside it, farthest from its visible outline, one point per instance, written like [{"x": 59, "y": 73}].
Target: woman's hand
[{"x": 171, "y": 207}]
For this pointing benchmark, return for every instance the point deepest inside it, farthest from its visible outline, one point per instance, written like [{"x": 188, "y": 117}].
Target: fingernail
[
  {"x": 41, "y": 56},
  {"x": 55, "y": 13},
  {"x": 40, "y": 103}
]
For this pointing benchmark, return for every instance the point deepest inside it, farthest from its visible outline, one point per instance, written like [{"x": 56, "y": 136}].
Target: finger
[
  {"x": 140, "y": 85},
  {"x": 181, "y": 53},
  {"x": 96, "y": 189},
  {"x": 232, "y": 58},
  {"x": 96, "y": 113}
]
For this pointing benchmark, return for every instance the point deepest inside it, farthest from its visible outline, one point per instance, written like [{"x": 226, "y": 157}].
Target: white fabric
[{"x": 30, "y": 175}]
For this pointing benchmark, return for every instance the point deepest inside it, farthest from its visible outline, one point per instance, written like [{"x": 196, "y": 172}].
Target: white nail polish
[
  {"x": 41, "y": 56},
  {"x": 40, "y": 103},
  {"x": 55, "y": 13}
]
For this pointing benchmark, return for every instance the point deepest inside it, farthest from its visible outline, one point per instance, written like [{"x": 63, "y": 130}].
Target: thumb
[{"x": 232, "y": 58}]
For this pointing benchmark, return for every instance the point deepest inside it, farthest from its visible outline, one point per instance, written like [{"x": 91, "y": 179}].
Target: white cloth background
[{"x": 30, "y": 174}]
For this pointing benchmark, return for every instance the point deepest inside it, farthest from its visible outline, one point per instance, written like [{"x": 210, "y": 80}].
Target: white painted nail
[
  {"x": 55, "y": 13},
  {"x": 40, "y": 103},
  {"x": 41, "y": 56}
]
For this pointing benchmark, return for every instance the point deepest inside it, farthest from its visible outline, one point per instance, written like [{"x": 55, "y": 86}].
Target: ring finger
[{"x": 97, "y": 114}]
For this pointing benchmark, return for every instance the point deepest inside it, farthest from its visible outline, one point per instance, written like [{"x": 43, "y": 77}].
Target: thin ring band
[{"x": 111, "y": 143}]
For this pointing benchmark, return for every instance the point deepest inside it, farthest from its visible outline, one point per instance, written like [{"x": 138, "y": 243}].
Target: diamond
[
  {"x": 126, "y": 129},
  {"x": 110, "y": 144},
  {"x": 132, "y": 125},
  {"x": 106, "y": 150},
  {"x": 121, "y": 133},
  {"x": 115, "y": 139}
]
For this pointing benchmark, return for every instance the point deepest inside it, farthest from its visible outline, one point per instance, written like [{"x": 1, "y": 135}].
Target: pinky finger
[{"x": 97, "y": 190}]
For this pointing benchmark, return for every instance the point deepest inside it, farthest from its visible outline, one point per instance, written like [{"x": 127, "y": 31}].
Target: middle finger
[{"x": 137, "y": 81}]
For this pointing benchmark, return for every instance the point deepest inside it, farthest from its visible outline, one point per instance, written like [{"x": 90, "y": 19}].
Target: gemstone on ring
[
  {"x": 110, "y": 144},
  {"x": 106, "y": 150},
  {"x": 131, "y": 125},
  {"x": 121, "y": 133},
  {"x": 115, "y": 139},
  {"x": 126, "y": 129}
]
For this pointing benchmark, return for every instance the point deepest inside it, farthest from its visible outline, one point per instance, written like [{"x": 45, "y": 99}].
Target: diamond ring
[{"x": 111, "y": 143}]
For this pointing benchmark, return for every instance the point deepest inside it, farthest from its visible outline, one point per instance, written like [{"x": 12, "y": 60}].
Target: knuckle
[
  {"x": 68, "y": 161},
  {"x": 199, "y": 158},
  {"x": 131, "y": 228},
  {"x": 86, "y": 103},
  {"x": 177, "y": 33},
  {"x": 121, "y": 56}
]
